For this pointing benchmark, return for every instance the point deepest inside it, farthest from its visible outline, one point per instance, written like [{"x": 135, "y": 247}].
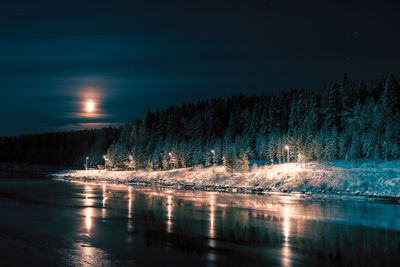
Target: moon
[{"x": 90, "y": 106}]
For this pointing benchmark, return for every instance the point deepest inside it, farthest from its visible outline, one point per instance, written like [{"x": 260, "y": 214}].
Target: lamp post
[
  {"x": 86, "y": 163},
  {"x": 288, "y": 157},
  {"x": 170, "y": 160},
  {"x": 213, "y": 153},
  {"x": 105, "y": 162},
  {"x": 132, "y": 163}
]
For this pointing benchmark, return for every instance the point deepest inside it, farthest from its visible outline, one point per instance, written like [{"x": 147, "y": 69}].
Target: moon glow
[
  {"x": 89, "y": 103},
  {"x": 90, "y": 106}
]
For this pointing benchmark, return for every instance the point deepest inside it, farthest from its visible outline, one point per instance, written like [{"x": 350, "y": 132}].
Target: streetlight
[
  {"x": 105, "y": 162},
  {"x": 86, "y": 163},
  {"x": 130, "y": 162},
  {"x": 288, "y": 149},
  {"x": 213, "y": 152},
  {"x": 171, "y": 160}
]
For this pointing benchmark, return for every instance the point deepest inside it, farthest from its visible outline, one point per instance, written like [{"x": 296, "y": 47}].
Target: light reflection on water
[
  {"x": 104, "y": 201},
  {"x": 169, "y": 212},
  {"x": 88, "y": 203},
  {"x": 286, "y": 250},
  {"x": 127, "y": 224},
  {"x": 211, "y": 241},
  {"x": 130, "y": 224},
  {"x": 90, "y": 256}
]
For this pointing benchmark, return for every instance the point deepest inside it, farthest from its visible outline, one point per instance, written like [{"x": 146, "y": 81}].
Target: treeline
[
  {"x": 67, "y": 149},
  {"x": 344, "y": 120}
]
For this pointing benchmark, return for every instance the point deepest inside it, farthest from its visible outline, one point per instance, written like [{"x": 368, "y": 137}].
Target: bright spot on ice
[
  {"x": 286, "y": 222},
  {"x": 88, "y": 218},
  {"x": 286, "y": 250},
  {"x": 169, "y": 213},
  {"x": 88, "y": 211}
]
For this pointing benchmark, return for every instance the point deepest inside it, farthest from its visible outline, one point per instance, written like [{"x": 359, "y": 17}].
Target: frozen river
[{"x": 55, "y": 223}]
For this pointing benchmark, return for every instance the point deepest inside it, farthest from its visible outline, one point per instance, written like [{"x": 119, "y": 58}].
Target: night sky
[{"x": 125, "y": 57}]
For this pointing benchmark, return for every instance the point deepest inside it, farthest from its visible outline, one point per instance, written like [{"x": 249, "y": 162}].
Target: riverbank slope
[{"x": 339, "y": 178}]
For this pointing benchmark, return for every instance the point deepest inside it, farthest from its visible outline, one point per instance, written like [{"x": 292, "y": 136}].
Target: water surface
[{"x": 55, "y": 223}]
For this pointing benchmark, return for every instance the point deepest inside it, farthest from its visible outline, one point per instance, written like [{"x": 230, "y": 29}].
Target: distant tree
[
  {"x": 391, "y": 95},
  {"x": 149, "y": 165},
  {"x": 166, "y": 162},
  {"x": 331, "y": 103},
  {"x": 230, "y": 159},
  {"x": 131, "y": 162},
  {"x": 261, "y": 148},
  {"x": 273, "y": 147},
  {"x": 244, "y": 162},
  {"x": 355, "y": 147}
]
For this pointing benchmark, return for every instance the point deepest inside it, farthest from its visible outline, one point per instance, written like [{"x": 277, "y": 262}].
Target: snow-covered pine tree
[
  {"x": 149, "y": 165},
  {"x": 261, "y": 149},
  {"x": 244, "y": 162}
]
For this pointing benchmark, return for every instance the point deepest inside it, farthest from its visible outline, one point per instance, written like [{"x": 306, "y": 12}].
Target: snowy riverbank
[{"x": 340, "y": 178}]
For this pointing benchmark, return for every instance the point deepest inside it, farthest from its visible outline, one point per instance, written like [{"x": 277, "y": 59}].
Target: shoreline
[
  {"x": 233, "y": 190},
  {"x": 290, "y": 178}
]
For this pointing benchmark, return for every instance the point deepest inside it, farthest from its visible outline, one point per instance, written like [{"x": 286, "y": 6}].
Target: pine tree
[
  {"x": 230, "y": 159},
  {"x": 165, "y": 162},
  {"x": 149, "y": 165},
  {"x": 261, "y": 147},
  {"x": 332, "y": 107},
  {"x": 244, "y": 162},
  {"x": 355, "y": 147},
  {"x": 273, "y": 148},
  {"x": 391, "y": 95}
]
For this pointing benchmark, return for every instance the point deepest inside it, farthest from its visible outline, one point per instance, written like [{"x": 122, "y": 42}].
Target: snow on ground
[{"x": 341, "y": 177}]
